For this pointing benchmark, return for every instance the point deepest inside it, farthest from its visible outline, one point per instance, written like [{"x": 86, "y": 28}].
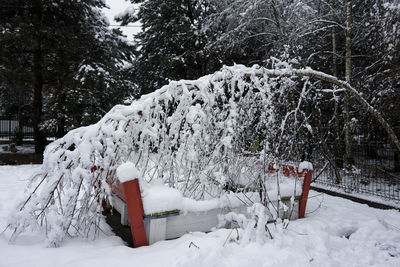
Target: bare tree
[{"x": 347, "y": 79}]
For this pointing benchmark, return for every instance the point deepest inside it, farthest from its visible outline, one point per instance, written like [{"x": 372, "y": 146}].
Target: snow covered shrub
[
  {"x": 200, "y": 137},
  {"x": 276, "y": 204},
  {"x": 254, "y": 227},
  {"x": 194, "y": 135}
]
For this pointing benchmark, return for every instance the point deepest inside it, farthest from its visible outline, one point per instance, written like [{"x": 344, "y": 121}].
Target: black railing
[
  {"x": 10, "y": 126},
  {"x": 374, "y": 170}
]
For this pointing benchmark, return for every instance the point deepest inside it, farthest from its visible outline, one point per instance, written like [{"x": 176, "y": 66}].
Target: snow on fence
[{"x": 160, "y": 212}]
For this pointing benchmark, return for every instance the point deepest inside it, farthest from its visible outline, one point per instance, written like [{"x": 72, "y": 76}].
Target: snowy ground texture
[
  {"x": 335, "y": 232},
  {"x": 24, "y": 149}
]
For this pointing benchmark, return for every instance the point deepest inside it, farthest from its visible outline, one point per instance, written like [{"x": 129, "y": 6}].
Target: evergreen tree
[
  {"x": 171, "y": 45},
  {"x": 69, "y": 57}
]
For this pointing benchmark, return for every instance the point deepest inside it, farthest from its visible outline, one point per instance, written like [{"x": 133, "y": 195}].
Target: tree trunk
[
  {"x": 332, "y": 160},
  {"x": 263, "y": 30},
  {"x": 334, "y": 50},
  {"x": 61, "y": 110},
  {"x": 336, "y": 146},
  {"x": 278, "y": 25},
  {"x": 37, "y": 69},
  {"x": 348, "y": 152},
  {"x": 61, "y": 97}
]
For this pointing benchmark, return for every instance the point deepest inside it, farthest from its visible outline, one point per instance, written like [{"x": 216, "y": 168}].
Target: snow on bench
[{"x": 157, "y": 212}]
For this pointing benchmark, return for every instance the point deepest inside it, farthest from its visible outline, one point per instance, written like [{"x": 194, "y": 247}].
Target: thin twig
[
  {"x": 323, "y": 168},
  {"x": 226, "y": 240},
  {"x": 269, "y": 232},
  {"x": 192, "y": 244},
  {"x": 319, "y": 206}
]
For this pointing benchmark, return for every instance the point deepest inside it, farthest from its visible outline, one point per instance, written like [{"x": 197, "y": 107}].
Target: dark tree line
[
  {"x": 59, "y": 58},
  {"x": 60, "y": 65},
  {"x": 356, "y": 41}
]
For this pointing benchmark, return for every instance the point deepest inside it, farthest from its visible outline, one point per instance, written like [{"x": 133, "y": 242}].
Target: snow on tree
[
  {"x": 194, "y": 135},
  {"x": 258, "y": 29},
  {"x": 170, "y": 45},
  {"x": 64, "y": 60}
]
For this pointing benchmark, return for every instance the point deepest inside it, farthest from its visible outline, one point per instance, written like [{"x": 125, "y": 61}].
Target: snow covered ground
[
  {"x": 335, "y": 232},
  {"x": 369, "y": 197},
  {"x": 24, "y": 149}
]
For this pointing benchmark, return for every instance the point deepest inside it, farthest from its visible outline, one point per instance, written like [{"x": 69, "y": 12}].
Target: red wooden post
[
  {"x": 306, "y": 174},
  {"x": 135, "y": 212},
  {"x": 304, "y": 194}
]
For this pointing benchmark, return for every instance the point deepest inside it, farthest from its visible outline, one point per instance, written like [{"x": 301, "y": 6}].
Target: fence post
[
  {"x": 304, "y": 194},
  {"x": 135, "y": 212}
]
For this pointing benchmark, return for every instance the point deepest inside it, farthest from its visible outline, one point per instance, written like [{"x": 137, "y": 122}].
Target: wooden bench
[{"x": 150, "y": 228}]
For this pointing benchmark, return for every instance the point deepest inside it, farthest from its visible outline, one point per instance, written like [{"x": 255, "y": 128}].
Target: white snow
[
  {"x": 335, "y": 232},
  {"x": 24, "y": 149},
  {"x": 157, "y": 197},
  {"x": 116, "y": 7},
  {"x": 287, "y": 187},
  {"x": 127, "y": 172},
  {"x": 305, "y": 165},
  {"x": 372, "y": 198}
]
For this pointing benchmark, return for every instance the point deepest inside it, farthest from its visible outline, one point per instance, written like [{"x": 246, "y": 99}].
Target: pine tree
[
  {"x": 171, "y": 44},
  {"x": 57, "y": 41}
]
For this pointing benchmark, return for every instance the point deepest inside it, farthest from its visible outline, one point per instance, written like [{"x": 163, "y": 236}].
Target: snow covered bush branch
[{"x": 202, "y": 137}]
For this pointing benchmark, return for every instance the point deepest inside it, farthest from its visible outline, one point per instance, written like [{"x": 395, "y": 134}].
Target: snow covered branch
[{"x": 194, "y": 135}]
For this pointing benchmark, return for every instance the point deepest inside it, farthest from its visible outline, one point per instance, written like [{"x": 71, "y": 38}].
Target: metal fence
[
  {"x": 375, "y": 171},
  {"x": 9, "y": 126}
]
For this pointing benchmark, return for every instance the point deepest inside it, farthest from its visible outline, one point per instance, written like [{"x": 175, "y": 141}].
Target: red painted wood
[
  {"x": 118, "y": 189},
  {"x": 307, "y": 174},
  {"x": 287, "y": 170},
  {"x": 135, "y": 212},
  {"x": 291, "y": 171}
]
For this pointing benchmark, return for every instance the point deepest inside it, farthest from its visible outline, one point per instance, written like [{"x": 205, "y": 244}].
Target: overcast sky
[{"x": 116, "y": 7}]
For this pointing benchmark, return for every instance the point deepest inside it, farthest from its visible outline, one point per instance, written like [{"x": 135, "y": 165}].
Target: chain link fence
[{"x": 374, "y": 169}]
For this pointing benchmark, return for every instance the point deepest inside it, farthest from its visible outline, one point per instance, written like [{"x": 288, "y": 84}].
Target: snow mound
[
  {"x": 157, "y": 197},
  {"x": 305, "y": 165},
  {"x": 127, "y": 172}
]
